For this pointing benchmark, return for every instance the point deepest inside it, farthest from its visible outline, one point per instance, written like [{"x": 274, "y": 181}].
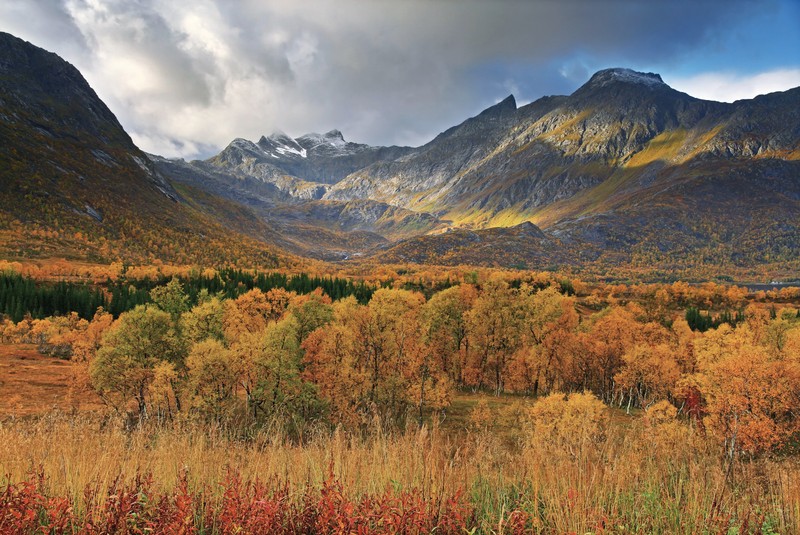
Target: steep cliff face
[{"x": 419, "y": 179}]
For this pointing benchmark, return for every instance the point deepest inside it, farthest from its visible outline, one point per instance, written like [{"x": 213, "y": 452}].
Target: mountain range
[{"x": 625, "y": 171}]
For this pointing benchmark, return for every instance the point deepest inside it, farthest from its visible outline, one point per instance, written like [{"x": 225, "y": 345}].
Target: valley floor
[
  {"x": 478, "y": 471},
  {"x": 34, "y": 384},
  {"x": 276, "y": 430}
]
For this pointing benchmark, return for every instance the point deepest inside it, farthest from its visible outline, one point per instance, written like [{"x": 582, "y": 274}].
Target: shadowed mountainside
[{"x": 74, "y": 184}]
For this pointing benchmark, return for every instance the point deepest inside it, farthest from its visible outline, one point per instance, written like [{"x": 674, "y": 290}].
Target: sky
[{"x": 186, "y": 78}]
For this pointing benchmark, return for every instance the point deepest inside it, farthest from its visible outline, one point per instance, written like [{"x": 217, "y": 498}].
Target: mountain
[
  {"x": 418, "y": 180},
  {"x": 279, "y": 178},
  {"x": 248, "y": 161},
  {"x": 285, "y": 180},
  {"x": 324, "y": 158},
  {"x": 626, "y": 170},
  {"x": 73, "y": 184},
  {"x": 299, "y": 168},
  {"x": 506, "y": 163}
]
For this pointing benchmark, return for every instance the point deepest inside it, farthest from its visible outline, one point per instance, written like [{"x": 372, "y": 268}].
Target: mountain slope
[
  {"x": 73, "y": 184},
  {"x": 300, "y": 168},
  {"x": 282, "y": 179},
  {"x": 418, "y": 180},
  {"x": 326, "y": 230},
  {"x": 624, "y": 170},
  {"x": 390, "y": 222},
  {"x": 521, "y": 246},
  {"x": 541, "y": 153}
]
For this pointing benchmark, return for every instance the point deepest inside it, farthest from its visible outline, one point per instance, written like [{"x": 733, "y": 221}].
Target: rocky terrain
[
  {"x": 627, "y": 170},
  {"x": 619, "y": 129},
  {"x": 300, "y": 169},
  {"x": 624, "y": 171},
  {"x": 419, "y": 179}
]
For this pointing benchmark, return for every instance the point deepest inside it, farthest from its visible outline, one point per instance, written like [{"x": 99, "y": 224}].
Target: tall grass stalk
[{"x": 633, "y": 481}]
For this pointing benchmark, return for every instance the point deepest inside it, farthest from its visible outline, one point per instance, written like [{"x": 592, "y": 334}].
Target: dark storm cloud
[{"x": 186, "y": 76}]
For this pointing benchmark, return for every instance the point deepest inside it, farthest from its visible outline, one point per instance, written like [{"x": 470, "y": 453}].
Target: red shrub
[
  {"x": 24, "y": 508},
  {"x": 175, "y": 515},
  {"x": 251, "y": 507}
]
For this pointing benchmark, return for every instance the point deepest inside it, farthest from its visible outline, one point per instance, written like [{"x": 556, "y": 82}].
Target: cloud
[
  {"x": 187, "y": 79},
  {"x": 46, "y": 24},
  {"x": 729, "y": 87}
]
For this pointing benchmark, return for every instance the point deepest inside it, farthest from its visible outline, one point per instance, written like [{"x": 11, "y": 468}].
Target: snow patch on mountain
[
  {"x": 278, "y": 144},
  {"x": 285, "y": 149},
  {"x": 609, "y": 76}
]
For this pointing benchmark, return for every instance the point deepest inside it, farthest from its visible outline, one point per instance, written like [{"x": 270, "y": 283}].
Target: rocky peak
[
  {"x": 334, "y": 134},
  {"x": 279, "y": 145},
  {"x": 492, "y": 119},
  {"x": 507, "y": 105},
  {"x": 242, "y": 143},
  {"x": 331, "y": 139},
  {"x": 628, "y": 76},
  {"x": 279, "y": 136}
]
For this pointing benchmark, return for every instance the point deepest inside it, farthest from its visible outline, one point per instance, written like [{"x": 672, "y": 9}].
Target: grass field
[
  {"x": 33, "y": 384},
  {"x": 476, "y": 471}
]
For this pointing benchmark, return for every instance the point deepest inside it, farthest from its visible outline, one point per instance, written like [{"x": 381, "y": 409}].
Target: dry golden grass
[
  {"x": 76, "y": 453},
  {"x": 636, "y": 480},
  {"x": 31, "y": 383}
]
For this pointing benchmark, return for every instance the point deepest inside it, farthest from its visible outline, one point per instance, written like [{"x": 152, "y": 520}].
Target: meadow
[
  {"x": 82, "y": 475},
  {"x": 486, "y": 405}
]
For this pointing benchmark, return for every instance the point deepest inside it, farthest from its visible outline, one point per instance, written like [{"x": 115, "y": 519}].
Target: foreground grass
[{"x": 636, "y": 480}]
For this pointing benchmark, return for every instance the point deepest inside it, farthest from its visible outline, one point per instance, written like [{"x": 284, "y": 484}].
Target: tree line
[
  {"x": 305, "y": 358},
  {"x": 22, "y": 296}
]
